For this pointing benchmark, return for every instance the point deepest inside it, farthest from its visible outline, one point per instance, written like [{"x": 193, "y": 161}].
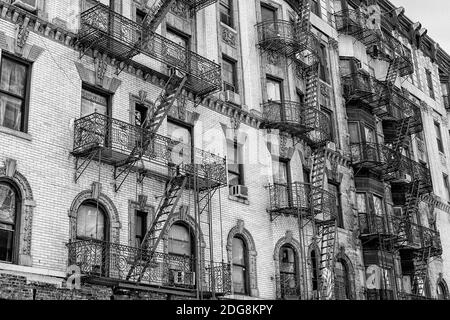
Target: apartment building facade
[{"x": 221, "y": 149}]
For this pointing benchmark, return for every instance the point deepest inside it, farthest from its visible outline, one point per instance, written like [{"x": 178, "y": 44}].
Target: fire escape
[
  {"x": 306, "y": 122},
  {"x": 401, "y": 118},
  {"x": 191, "y": 172}
]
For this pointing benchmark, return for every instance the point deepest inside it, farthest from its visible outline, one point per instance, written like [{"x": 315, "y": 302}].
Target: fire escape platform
[
  {"x": 110, "y": 263},
  {"x": 116, "y": 140},
  {"x": 121, "y": 38}
]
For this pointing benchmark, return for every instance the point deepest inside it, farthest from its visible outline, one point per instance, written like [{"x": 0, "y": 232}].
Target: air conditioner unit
[
  {"x": 183, "y": 278},
  {"x": 239, "y": 191},
  {"x": 232, "y": 97},
  {"x": 30, "y": 5}
]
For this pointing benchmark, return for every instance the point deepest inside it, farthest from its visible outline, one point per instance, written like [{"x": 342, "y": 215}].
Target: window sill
[
  {"x": 228, "y": 27},
  {"x": 18, "y": 134},
  {"x": 239, "y": 199}
]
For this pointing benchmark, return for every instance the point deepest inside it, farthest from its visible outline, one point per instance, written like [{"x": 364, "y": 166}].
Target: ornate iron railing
[
  {"x": 414, "y": 235},
  {"x": 296, "y": 198},
  {"x": 114, "y": 261},
  {"x": 112, "y": 33},
  {"x": 311, "y": 124},
  {"x": 359, "y": 85},
  {"x": 285, "y": 37},
  {"x": 373, "y": 154},
  {"x": 289, "y": 285},
  {"x": 354, "y": 23},
  {"x": 100, "y": 131},
  {"x": 370, "y": 224}
]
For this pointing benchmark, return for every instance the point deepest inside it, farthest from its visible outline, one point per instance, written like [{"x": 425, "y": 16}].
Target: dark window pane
[
  {"x": 268, "y": 14},
  {"x": 239, "y": 279},
  {"x": 226, "y": 12},
  {"x": 238, "y": 252},
  {"x": 6, "y": 244}
]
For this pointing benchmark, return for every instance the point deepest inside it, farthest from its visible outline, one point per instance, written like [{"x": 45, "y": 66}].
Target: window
[
  {"x": 334, "y": 190},
  {"x": 140, "y": 115},
  {"x": 140, "y": 227},
  {"x": 437, "y": 127},
  {"x": 378, "y": 206},
  {"x": 9, "y": 222},
  {"x": 240, "y": 273},
  {"x": 288, "y": 272},
  {"x": 178, "y": 37},
  {"x": 226, "y": 12},
  {"x": 183, "y": 134},
  {"x": 446, "y": 185},
  {"x": 430, "y": 83},
  {"x": 315, "y": 270},
  {"x": 93, "y": 101},
  {"x": 315, "y": 7},
  {"x": 280, "y": 171},
  {"x": 229, "y": 75},
  {"x": 235, "y": 164},
  {"x": 14, "y": 78},
  {"x": 117, "y": 6},
  {"x": 274, "y": 89},
  {"x": 268, "y": 13},
  {"x": 329, "y": 115},
  {"x": 140, "y": 16},
  {"x": 91, "y": 222},
  {"x": 180, "y": 240},
  {"x": 341, "y": 281},
  {"x": 323, "y": 60}
]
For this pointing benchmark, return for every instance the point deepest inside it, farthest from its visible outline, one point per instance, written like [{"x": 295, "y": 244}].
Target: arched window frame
[
  {"x": 245, "y": 266},
  {"x": 16, "y": 226}
]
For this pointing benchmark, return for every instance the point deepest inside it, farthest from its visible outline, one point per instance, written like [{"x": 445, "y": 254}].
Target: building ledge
[
  {"x": 33, "y": 273},
  {"x": 18, "y": 134}
]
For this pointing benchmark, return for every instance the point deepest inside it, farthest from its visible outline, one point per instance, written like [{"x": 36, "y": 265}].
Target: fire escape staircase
[
  {"x": 153, "y": 122},
  {"x": 156, "y": 14},
  {"x": 420, "y": 275},
  {"x": 155, "y": 233}
]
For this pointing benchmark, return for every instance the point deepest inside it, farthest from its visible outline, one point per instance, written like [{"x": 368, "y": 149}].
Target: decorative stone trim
[
  {"x": 20, "y": 47},
  {"x": 240, "y": 230},
  {"x": 98, "y": 77},
  {"x": 108, "y": 205},
  {"x": 228, "y": 36},
  {"x": 10, "y": 172},
  {"x": 287, "y": 239},
  {"x": 351, "y": 272}
]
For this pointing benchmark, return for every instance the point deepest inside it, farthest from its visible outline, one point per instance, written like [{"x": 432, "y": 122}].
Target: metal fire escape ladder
[
  {"x": 167, "y": 205},
  {"x": 156, "y": 14},
  {"x": 420, "y": 275},
  {"x": 152, "y": 123},
  {"x": 411, "y": 207}
]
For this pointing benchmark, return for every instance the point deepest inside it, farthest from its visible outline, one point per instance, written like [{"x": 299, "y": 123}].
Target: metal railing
[
  {"x": 373, "y": 153},
  {"x": 359, "y": 85},
  {"x": 296, "y": 198},
  {"x": 310, "y": 123},
  {"x": 414, "y": 235},
  {"x": 370, "y": 223},
  {"x": 114, "y": 261},
  {"x": 100, "y": 131},
  {"x": 112, "y": 33}
]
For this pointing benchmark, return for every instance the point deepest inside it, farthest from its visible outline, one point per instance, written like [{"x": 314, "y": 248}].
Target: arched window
[
  {"x": 442, "y": 291},
  {"x": 9, "y": 222},
  {"x": 288, "y": 272},
  {"x": 180, "y": 240},
  {"x": 341, "y": 281},
  {"x": 91, "y": 222},
  {"x": 240, "y": 270},
  {"x": 92, "y": 228},
  {"x": 315, "y": 270}
]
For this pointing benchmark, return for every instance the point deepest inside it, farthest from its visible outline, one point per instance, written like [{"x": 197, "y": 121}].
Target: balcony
[
  {"x": 351, "y": 22},
  {"x": 406, "y": 170},
  {"x": 432, "y": 240},
  {"x": 111, "y": 263},
  {"x": 285, "y": 37},
  {"x": 121, "y": 38},
  {"x": 373, "y": 156},
  {"x": 389, "y": 48},
  {"x": 309, "y": 124},
  {"x": 360, "y": 86},
  {"x": 117, "y": 139},
  {"x": 371, "y": 224},
  {"x": 414, "y": 236},
  {"x": 296, "y": 199}
]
